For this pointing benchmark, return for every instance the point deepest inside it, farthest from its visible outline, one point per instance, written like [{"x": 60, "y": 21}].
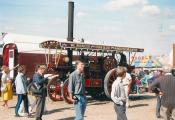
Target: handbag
[
  {"x": 35, "y": 88},
  {"x": 4, "y": 88}
]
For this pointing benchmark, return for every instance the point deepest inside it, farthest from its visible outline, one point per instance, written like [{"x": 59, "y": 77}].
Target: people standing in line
[
  {"x": 41, "y": 84},
  {"x": 21, "y": 91},
  {"x": 118, "y": 94},
  {"x": 76, "y": 88},
  {"x": 166, "y": 88},
  {"x": 127, "y": 81},
  {"x": 6, "y": 86}
]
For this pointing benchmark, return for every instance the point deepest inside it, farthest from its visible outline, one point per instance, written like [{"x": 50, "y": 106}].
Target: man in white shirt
[
  {"x": 127, "y": 85},
  {"x": 118, "y": 95}
]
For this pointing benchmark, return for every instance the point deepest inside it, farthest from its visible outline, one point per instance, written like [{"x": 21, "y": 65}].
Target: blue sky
[{"x": 149, "y": 24}]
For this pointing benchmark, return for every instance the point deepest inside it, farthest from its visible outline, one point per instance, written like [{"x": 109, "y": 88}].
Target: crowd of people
[
  {"x": 143, "y": 78},
  {"x": 39, "y": 90},
  {"x": 160, "y": 82},
  {"x": 38, "y": 87}
]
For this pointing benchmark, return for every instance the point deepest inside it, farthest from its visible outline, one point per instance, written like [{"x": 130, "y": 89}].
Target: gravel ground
[{"x": 142, "y": 108}]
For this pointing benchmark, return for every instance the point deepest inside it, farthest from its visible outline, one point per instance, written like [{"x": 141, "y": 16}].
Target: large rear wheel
[
  {"x": 108, "y": 81},
  {"x": 65, "y": 92}
]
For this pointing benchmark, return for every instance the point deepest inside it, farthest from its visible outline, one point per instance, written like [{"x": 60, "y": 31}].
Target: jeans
[
  {"x": 40, "y": 107},
  {"x": 22, "y": 97},
  {"x": 80, "y": 107},
  {"x": 158, "y": 105},
  {"x": 120, "y": 111}
]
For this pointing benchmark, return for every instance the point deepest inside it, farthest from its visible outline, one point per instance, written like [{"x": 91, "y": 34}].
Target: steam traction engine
[{"x": 100, "y": 63}]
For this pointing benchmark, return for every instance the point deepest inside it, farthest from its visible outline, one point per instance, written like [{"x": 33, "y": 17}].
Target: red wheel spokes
[{"x": 54, "y": 90}]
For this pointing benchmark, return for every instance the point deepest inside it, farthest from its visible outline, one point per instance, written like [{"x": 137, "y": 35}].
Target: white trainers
[
  {"x": 30, "y": 109},
  {"x": 23, "y": 114}
]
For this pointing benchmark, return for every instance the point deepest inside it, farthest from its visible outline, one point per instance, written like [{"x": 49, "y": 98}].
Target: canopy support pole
[
  {"x": 46, "y": 57},
  {"x": 173, "y": 56}
]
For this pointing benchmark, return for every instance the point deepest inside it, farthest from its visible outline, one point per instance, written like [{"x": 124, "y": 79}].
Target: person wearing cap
[
  {"x": 165, "y": 86},
  {"x": 118, "y": 94},
  {"x": 76, "y": 88},
  {"x": 41, "y": 83}
]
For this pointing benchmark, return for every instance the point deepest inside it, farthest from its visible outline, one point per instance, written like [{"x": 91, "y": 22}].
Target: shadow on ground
[
  {"x": 58, "y": 110},
  {"x": 98, "y": 103},
  {"x": 92, "y": 101},
  {"x": 69, "y": 118},
  {"x": 141, "y": 97},
  {"x": 138, "y": 105},
  {"x": 11, "y": 107}
]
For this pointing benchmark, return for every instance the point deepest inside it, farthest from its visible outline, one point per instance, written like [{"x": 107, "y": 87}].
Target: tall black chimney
[
  {"x": 70, "y": 28},
  {"x": 70, "y": 21}
]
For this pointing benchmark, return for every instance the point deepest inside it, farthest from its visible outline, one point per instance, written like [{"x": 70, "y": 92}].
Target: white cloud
[
  {"x": 7, "y": 28},
  {"x": 172, "y": 27},
  {"x": 115, "y": 5},
  {"x": 168, "y": 13},
  {"x": 81, "y": 14},
  {"x": 150, "y": 10}
]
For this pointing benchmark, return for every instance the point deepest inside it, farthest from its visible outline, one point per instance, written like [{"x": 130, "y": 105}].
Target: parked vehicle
[{"x": 100, "y": 65}]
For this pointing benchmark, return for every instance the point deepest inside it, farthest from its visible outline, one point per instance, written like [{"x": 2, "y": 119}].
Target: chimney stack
[
  {"x": 70, "y": 29},
  {"x": 70, "y": 21}
]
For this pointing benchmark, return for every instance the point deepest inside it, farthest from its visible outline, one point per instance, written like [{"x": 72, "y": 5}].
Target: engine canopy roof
[{"x": 52, "y": 44}]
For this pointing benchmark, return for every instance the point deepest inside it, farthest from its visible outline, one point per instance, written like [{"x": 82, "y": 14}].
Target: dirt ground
[{"x": 142, "y": 108}]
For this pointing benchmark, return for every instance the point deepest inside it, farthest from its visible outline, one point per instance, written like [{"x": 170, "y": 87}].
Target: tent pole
[
  {"x": 173, "y": 56},
  {"x": 129, "y": 58}
]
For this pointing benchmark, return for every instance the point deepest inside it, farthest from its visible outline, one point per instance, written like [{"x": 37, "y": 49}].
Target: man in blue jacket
[{"x": 41, "y": 84}]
